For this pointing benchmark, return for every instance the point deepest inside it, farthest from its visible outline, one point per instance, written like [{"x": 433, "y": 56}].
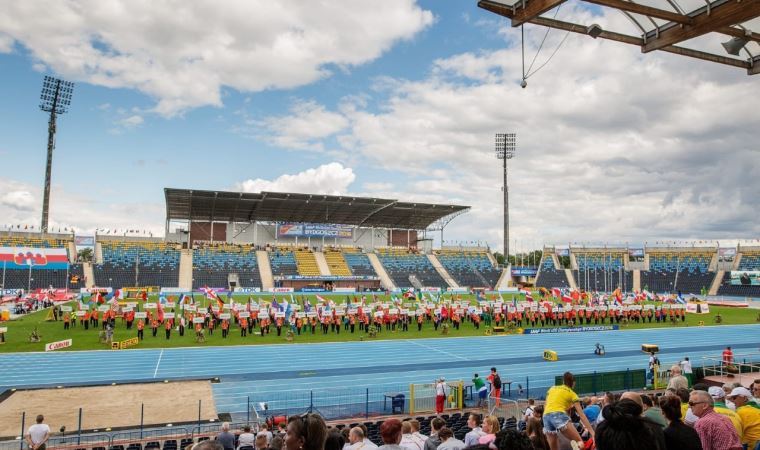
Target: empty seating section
[
  {"x": 750, "y": 261},
  {"x": 400, "y": 264},
  {"x": 693, "y": 272},
  {"x": 306, "y": 262},
  {"x": 336, "y": 262},
  {"x": 283, "y": 262},
  {"x": 661, "y": 276},
  {"x": 126, "y": 264},
  {"x": 212, "y": 265},
  {"x": 469, "y": 267},
  {"x": 549, "y": 276},
  {"x": 603, "y": 272},
  {"x": 40, "y": 278},
  {"x": 358, "y": 263}
]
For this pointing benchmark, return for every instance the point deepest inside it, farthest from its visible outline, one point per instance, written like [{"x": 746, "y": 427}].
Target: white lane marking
[
  {"x": 155, "y": 372},
  {"x": 438, "y": 350}
]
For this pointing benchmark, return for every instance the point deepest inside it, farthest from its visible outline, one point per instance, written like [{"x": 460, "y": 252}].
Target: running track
[{"x": 284, "y": 374}]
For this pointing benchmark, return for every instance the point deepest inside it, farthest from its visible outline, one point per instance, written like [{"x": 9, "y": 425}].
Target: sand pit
[{"x": 108, "y": 406}]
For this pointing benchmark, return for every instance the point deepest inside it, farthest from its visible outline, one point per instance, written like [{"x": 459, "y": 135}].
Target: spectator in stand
[
  {"x": 718, "y": 395},
  {"x": 390, "y": 432},
  {"x": 408, "y": 440},
  {"x": 535, "y": 431},
  {"x": 306, "y": 432},
  {"x": 416, "y": 430},
  {"x": 264, "y": 431},
  {"x": 678, "y": 436},
  {"x": 509, "y": 439},
  {"x": 715, "y": 431},
  {"x": 261, "y": 442},
  {"x": 226, "y": 438},
  {"x": 559, "y": 400},
  {"x": 472, "y": 436},
  {"x": 335, "y": 440},
  {"x": 652, "y": 412},
  {"x": 38, "y": 434},
  {"x": 246, "y": 439},
  {"x": 591, "y": 408},
  {"x": 677, "y": 381},
  {"x": 749, "y": 415},
  {"x": 207, "y": 445},
  {"x": 624, "y": 428},
  {"x": 356, "y": 439},
  {"x": 368, "y": 445},
  {"x": 490, "y": 428},
  {"x": 528, "y": 413},
  {"x": 434, "y": 441},
  {"x": 277, "y": 443},
  {"x": 448, "y": 441}
]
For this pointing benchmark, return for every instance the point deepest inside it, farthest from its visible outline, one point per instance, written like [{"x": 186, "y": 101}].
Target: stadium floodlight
[
  {"x": 54, "y": 99},
  {"x": 506, "y": 144}
]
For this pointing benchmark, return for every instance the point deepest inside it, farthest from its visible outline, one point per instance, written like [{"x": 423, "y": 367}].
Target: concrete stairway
[
  {"x": 265, "y": 270},
  {"x": 186, "y": 269},
  {"x": 637, "y": 280},
  {"x": 324, "y": 268},
  {"x": 89, "y": 275},
  {"x": 716, "y": 282},
  {"x": 570, "y": 279},
  {"x": 442, "y": 270},
  {"x": 385, "y": 279},
  {"x": 505, "y": 280},
  {"x": 98, "y": 253}
]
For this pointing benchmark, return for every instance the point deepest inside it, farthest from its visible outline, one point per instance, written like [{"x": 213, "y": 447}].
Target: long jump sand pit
[{"x": 108, "y": 406}]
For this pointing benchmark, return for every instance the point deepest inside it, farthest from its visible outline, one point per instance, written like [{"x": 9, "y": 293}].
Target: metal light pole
[
  {"x": 55, "y": 98},
  {"x": 505, "y": 149}
]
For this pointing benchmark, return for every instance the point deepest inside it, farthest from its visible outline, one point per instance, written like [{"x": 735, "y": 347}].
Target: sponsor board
[
  {"x": 121, "y": 345},
  {"x": 247, "y": 290},
  {"x": 430, "y": 289},
  {"x": 312, "y": 289},
  {"x": 287, "y": 229},
  {"x": 344, "y": 289},
  {"x": 58, "y": 345},
  {"x": 698, "y": 308},
  {"x": 458, "y": 290},
  {"x": 524, "y": 271},
  {"x": 570, "y": 329},
  {"x": 282, "y": 289},
  {"x": 95, "y": 290}
]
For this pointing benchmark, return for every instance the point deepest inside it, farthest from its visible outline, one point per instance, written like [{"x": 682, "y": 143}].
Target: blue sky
[{"x": 397, "y": 100}]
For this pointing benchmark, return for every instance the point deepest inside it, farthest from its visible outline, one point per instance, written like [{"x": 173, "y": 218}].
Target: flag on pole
[{"x": 556, "y": 292}]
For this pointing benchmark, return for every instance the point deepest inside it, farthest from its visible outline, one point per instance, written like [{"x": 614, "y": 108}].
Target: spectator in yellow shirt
[
  {"x": 559, "y": 400},
  {"x": 749, "y": 414}
]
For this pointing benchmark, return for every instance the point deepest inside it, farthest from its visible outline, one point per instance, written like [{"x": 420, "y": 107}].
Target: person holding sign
[
  {"x": 154, "y": 326},
  {"x": 243, "y": 327},
  {"x": 168, "y": 327},
  {"x": 140, "y": 327},
  {"x": 66, "y": 320},
  {"x": 225, "y": 328}
]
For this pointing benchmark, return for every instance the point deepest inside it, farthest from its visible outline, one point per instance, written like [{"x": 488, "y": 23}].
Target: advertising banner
[
  {"x": 745, "y": 277},
  {"x": 247, "y": 290},
  {"x": 37, "y": 258},
  {"x": 570, "y": 329},
  {"x": 344, "y": 289},
  {"x": 524, "y": 271},
  {"x": 58, "y": 345},
  {"x": 698, "y": 308},
  {"x": 636, "y": 252},
  {"x": 174, "y": 290},
  {"x": 562, "y": 251},
  {"x": 314, "y": 230},
  {"x": 727, "y": 254},
  {"x": 84, "y": 241},
  {"x": 282, "y": 289}
]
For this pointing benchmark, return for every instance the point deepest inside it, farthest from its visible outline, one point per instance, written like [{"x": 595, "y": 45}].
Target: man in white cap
[
  {"x": 719, "y": 399},
  {"x": 749, "y": 413},
  {"x": 441, "y": 390}
]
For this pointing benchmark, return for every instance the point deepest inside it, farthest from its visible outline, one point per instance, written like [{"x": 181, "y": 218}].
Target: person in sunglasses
[{"x": 715, "y": 431}]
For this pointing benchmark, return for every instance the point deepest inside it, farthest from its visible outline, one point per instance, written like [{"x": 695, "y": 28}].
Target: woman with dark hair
[
  {"x": 510, "y": 439},
  {"x": 623, "y": 428},
  {"x": 390, "y": 432},
  {"x": 335, "y": 440},
  {"x": 306, "y": 432},
  {"x": 535, "y": 432},
  {"x": 678, "y": 436}
]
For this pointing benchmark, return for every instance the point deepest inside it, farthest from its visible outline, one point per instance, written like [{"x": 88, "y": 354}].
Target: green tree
[{"x": 85, "y": 255}]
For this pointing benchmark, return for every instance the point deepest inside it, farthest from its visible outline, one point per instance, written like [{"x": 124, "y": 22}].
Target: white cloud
[
  {"x": 330, "y": 179},
  {"x": 182, "y": 53},
  {"x": 19, "y": 200},
  {"x": 302, "y": 129},
  {"x": 130, "y": 122},
  {"x": 21, "y": 204},
  {"x": 641, "y": 147}
]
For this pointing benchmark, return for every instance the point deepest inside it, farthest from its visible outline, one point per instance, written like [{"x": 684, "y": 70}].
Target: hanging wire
[{"x": 529, "y": 74}]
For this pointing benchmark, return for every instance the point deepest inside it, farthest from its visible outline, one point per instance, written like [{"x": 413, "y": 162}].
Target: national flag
[
  {"x": 209, "y": 293},
  {"x": 119, "y": 294},
  {"x": 219, "y": 303},
  {"x": 556, "y": 292},
  {"x": 680, "y": 300},
  {"x": 525, "y": 291},
  {"x": 647, "y": 294},
  {"x": 528, "y": 297},
  {"x": 566, "y": 298},
  {"x": 160, "y": 312}
]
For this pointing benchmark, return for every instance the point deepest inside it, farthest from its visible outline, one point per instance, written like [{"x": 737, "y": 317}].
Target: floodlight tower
[
  {"x": 506, "y": 144},
  {"x": 55, "y": 99}
]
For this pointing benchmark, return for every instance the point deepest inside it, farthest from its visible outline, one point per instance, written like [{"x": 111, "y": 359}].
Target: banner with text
[{"x": 314, "y": 230}]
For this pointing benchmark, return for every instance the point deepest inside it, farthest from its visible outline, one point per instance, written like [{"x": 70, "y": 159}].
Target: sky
[{"x": 396, "y": 99}]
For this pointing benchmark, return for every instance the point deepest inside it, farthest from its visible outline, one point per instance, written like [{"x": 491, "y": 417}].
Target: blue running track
[{"x": 285, "y": 374}]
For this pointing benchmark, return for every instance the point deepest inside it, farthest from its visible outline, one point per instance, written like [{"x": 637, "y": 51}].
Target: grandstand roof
[
  {"x": 195, "y": 205},
  {"x": 693, "y": 28}
]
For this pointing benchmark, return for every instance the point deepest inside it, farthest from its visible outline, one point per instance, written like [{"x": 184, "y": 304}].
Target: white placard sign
[
  {"x": 169, "y": 305},
  {"x": 311, "y": 314},
  {"x": 379, "y": 314},
  {"x": 279, "y": 315},
  {"x": 168, "y": 315},
  {"x": 199, "y": 320},
  {"x": 131, "y": 304},
  {"x": 81, "y": 313},
  {"x": 224, "y": 316},
  {"x": 66, "y": 308},
  {"x": 141, "y": 315},
  {"x": 300, "y": 315},
  {"x": 150, "y": 306},
  {"x": 104, "y": 308},
  {"x": 190, "y": 308},
  {"x": 244, "y": 314}
]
